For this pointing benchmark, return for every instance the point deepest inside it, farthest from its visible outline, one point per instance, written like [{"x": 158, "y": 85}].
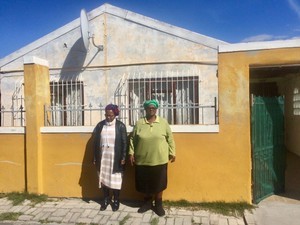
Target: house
[
  {"x": 63, "y": 80},
  {"x": 141, "y": 58},
  {"x": 259, "y": 102}
]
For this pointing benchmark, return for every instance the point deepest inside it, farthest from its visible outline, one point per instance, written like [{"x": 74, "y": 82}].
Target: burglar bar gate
[{"x": 268, "y": 151}]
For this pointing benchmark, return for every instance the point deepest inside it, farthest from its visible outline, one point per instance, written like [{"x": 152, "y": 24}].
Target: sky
[{"x": 233, "y": 21}]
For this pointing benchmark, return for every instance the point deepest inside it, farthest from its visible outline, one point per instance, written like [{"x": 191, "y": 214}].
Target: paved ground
[
  {"x": 276, "y": 210},
  {"x": 75, "y": 211}
]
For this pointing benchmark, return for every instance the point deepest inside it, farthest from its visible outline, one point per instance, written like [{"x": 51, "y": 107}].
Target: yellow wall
[
  {"x": 208, "y": 169},
  {"x": 12, "y": 163},
  {"x": 204, "y": 170},
  {"x": 37, "y": 92},
  {"x": 234, "y": 107},
  {"x": 209, "y": 166}
]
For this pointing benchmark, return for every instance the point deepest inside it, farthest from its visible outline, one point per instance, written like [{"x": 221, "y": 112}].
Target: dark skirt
[{"x": 151, "y": 179}]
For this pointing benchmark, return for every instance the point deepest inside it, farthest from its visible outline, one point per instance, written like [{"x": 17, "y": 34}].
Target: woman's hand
[
  {"x": 131, "y": 159},
  {"x": 123, "y": 162},
  {"x": 172, "y": 158}
]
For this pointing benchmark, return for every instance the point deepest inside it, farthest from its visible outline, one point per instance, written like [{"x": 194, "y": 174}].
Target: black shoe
[
  {"x": 104, "y": 204},
  {"x": 145, "y": 207},
  {"x": 115, "y": 205},
  {"x": 158, "y": 208}
]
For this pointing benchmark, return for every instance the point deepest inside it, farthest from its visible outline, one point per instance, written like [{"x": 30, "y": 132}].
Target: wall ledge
[
  {"x": 174, "y": 128},
  {"x": 35, "y": 60},
  {"x": 12, "y": 130},
  {"x": 89, "y": 129}
]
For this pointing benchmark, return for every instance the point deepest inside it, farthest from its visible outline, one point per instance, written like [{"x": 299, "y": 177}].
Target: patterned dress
[{"x": 107, "y": 143}]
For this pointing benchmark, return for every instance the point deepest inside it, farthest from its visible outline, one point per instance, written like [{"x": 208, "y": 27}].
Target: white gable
[{"x": 121, "y": 13}]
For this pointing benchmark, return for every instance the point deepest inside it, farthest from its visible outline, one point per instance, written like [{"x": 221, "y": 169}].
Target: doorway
[{"x": 268, "y": 130}]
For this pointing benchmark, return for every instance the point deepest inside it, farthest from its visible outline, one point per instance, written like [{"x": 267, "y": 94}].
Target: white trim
[
  {"x": 35, "y": 60},
  {"x": 259, "y": 45},
  {"x": 89, "y": 129},
  {"x": 195, "y": 128},
  {"x": 174, "y": 128},
  {"x": 12, "y": 130},
  {"x": 70, "y": 129}
]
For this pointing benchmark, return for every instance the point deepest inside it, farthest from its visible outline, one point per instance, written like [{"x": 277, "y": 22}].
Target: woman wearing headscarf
[
  {"x": 151, "y": 147},
  {"x": 109, "y": 155}
]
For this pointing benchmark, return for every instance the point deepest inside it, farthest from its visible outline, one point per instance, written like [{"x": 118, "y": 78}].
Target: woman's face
[
  {"x": 150, "y": 111},
  {"x": 109, "y": 115}
]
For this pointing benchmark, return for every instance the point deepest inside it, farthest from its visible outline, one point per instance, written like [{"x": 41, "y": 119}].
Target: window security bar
[
  {"x": 55, "y": 116},
  {"x": 12, "y": 117}
]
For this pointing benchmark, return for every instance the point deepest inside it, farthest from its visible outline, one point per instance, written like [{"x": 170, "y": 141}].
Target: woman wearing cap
[
  {"x": 151, "y": 147},
  {"x": 110, "y": 154}
]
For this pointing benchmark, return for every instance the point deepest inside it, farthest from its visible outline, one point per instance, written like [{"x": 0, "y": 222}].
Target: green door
[{"x": 268, "y": 152}]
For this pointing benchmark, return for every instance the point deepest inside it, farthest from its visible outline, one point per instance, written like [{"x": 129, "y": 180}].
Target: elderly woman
[
  {"x": 110, "y": 154},
  {"x": 151, "y": 147}
]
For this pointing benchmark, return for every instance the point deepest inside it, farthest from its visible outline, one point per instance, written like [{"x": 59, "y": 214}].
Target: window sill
[
  {"x": 89, "y": 129},
  {"x": 174, "y": 128},
  {"x": 12, "y": 130}
]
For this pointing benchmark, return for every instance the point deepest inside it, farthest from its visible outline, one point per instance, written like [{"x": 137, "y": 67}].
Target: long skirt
[
  {"x": 106, "y": 175},
  {"x": 151, "y": 179}
]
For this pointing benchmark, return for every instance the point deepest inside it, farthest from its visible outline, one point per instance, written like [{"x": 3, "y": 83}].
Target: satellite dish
[
  {"x": 84, "y": 27},
  {"x": 85, "y": 32}
]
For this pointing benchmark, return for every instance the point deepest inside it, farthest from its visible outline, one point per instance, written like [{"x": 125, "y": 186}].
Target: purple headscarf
[{"x": 113, "y": 108}]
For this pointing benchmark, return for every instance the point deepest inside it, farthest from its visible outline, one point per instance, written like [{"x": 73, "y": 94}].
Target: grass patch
[
  {"x": 19, "y": 197},
  {"x": 123, "y": 221},
  {"x": 12, "y": 216},
  {"x": 227, "y": 209},
  {"x": 154, "y": 221}
]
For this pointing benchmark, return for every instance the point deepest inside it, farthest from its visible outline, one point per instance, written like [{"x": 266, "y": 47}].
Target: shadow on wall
[
  {"x": 292, "y": 182},
  {"x": 89, "y": 178},
  {"x": 73, "y": 64}
]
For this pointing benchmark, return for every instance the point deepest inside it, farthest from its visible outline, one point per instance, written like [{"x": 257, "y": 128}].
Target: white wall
[{"x": 144, "y": 45}]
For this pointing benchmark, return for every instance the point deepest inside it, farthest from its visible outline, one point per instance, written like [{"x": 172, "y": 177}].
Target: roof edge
[
  {"x": 263, "y": 45},
  {"x": 159, "y": 25}
]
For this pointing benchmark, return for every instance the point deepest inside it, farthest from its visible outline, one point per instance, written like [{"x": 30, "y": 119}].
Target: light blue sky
[{"x": 233, "y": 21}]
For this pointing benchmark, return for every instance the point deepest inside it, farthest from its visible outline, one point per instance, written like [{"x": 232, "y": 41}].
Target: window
[
  {"x": 296, "y": 102},
  {"x": 13, "y": 115},
  {"x": 67, "y": 103},
  {"x": 178, "y": 97}
]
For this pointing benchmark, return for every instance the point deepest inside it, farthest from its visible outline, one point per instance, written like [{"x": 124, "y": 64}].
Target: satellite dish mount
[{"x": 85, "y": 33}]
